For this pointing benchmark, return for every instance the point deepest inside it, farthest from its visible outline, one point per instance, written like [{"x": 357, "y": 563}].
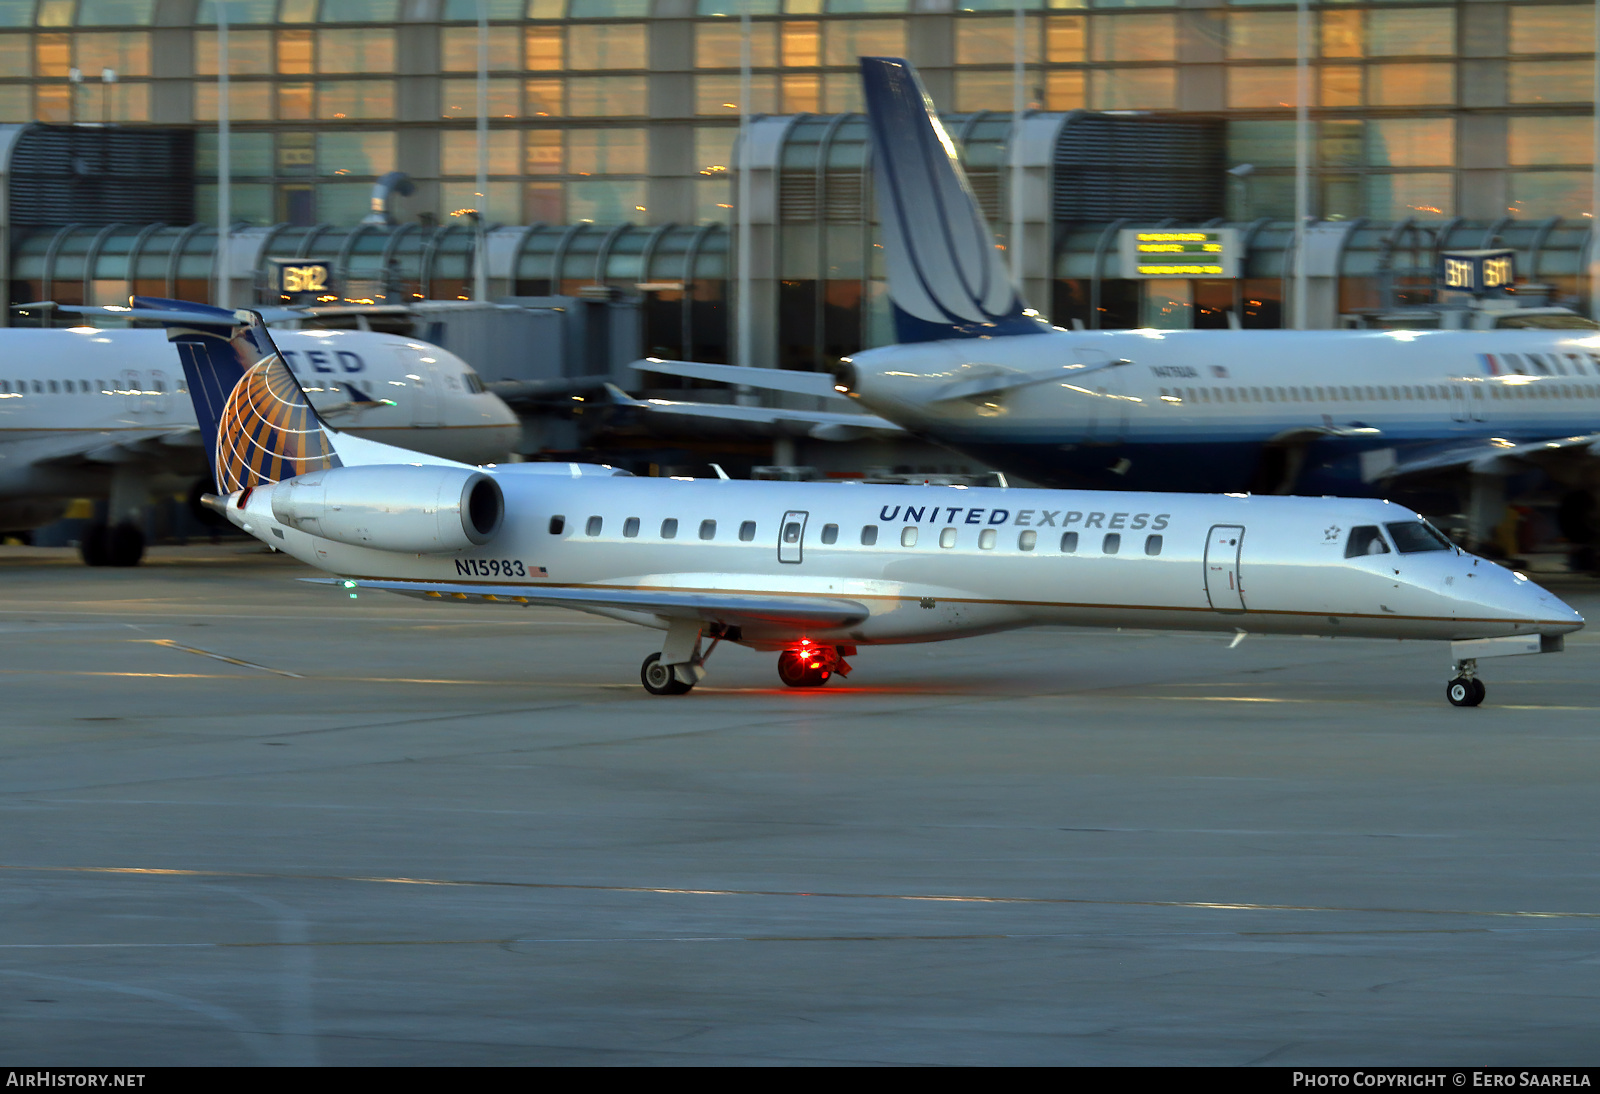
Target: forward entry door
[
  {"x": 791, "y": 536},
  {"x": 424, "y": 388},
  {"x": 1223, "y": 548}
]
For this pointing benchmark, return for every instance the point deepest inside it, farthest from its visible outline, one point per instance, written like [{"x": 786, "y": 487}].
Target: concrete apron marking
[
  {"x": 171, "y": 645},
  {"x": 1202, "y": 905}
]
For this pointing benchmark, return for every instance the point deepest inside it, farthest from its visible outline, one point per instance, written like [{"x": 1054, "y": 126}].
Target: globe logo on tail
[{"x": 269, "y": 431}]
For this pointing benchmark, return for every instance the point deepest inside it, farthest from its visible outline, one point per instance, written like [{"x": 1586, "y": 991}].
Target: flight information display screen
[{"x": 1177, "y": 252}]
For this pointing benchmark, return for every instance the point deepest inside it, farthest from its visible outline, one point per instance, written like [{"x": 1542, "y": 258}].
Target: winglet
[{"x": 946, "y": 279}]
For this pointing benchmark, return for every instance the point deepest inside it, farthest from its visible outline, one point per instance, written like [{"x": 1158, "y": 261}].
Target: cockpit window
[
  {"x": 1365, "y": 540},
  {"x": 1412, "y": 536}
]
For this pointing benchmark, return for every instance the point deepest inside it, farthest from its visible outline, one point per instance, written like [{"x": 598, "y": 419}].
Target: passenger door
[
  {"x": 1467, "y": 400},
  {"x": 1223, "y": 548},
  {"x": 792, "y": 536},
  {"x": 423, "y": 383}
]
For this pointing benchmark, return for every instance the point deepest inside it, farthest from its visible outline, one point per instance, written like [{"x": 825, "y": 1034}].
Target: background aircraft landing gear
[
  {"x": 1466, "y": 690},
  {"x": 659, "y": 679},
  {"x": 118, "y": 545}
]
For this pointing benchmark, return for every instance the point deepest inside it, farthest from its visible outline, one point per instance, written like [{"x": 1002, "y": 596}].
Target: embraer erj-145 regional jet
[
  {"x": 1356, "y": 413},
  {"x": 103, "y": 413},
  {"x": 815, "y": 572}
]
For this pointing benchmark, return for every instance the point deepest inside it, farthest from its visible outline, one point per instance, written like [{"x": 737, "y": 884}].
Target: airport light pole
[
  {"x": 742, "y": 311},
  {"x": 480, "y": 261},
  {"x": 1302, "y": 158},
  {"x": 1019, "y": 106},
  {"x": 224, "y": 160},
  {"x": 1594, "y": 181}
]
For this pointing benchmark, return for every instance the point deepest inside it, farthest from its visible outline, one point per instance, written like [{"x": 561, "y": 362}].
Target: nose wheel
[{"x": 1466, "y": 690}]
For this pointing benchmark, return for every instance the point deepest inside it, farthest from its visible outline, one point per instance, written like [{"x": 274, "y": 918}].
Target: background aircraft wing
[
  {"x": 171, "y": 443},
  {"x": 823, "y": 425},
  {"x": 712, "y": 607},
  {"x": 1001, "y": 381},
  {"x": 1493, "y": 455},
  {"x": 767, "y": 379}
]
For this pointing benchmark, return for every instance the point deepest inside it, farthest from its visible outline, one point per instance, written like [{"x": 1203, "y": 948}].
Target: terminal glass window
[
  {"x": 717, "y": 45},
  {"x": 249, "y": 53},
  {"x": 1342, "y": 34},
  {"x": 338, "y": 100},
  {"x": 802, "y": 44},
  {"x": 1549, "y": 81},
  {"x": 1411, "y": 85},
  {"x": 239, "y": 11},
  {"x": 669, "y": 528},
  {"x": 115, "y": 13},
  {"x": 1265, "y": 86},
  {"x": 1365, "y": 540},
  {"x": 596, "y": 9},
  {"x": 294, "y": 52},
  {"x": 458, "y": 152},
  {"x": 362, "y": 153},
  {"x": 357, "y": 11},
  {"x": 1411, "y": 142},
  {"x": 542, "y": 49},
  {"x": 869, "y": 535},
  {"x": 607, "y": 151},
  {"x": 606, "y": 47},
  {"x": 544, "y": 98},
  {"x": 126, "y": 52},
  {"x": 1409, "y": 31},
  {"x": 458, "y": 49},
  {"x": 1539, "y": 141},
  {"x": 459, "y": 99},
  {"x": 1066, "y": 39},
  {"x": 1551, "y": 29},
  {"x": 850, "y": 39},
  {"x": 606, "y": 96},
  {"x": 1133, "y": 89},
  {"x": 1134, "y": 38},
  {"x": 1260, "y": 35},
  {"x": 989, "y": 40},
  {"x": 358, "y": 50},
  {"x": 467, "y": 10}
]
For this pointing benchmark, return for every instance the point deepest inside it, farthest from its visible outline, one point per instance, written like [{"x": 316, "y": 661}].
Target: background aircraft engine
[{"x": 417, "y": 508}]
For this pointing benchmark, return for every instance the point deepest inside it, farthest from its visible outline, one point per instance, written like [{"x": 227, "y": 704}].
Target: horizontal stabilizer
[
  {"x": 717, "y": 607},
  {"x": 766, "y": 379}
]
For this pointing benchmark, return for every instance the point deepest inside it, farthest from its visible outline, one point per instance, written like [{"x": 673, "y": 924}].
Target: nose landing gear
[
  {"x": 1466, "y": 690},
  {"x": 810, "y": 666}
]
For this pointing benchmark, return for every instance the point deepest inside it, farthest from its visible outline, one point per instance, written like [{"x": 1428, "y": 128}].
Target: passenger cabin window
[
  {"x": 1365, "y": 540},
  {"x": 947, "y": 537},
  {"x": 791, "y": 532},
  {"x": 630, "y": 527},
  {"x": 747, "y": 531},
  {"x": 557, "y": 525},
  {"x": 708, "y": 529},
  {"x": 1069, "y": 543},
  {"x": 830, "y": 533},
  {"x": 669, "y": 528},
  {"x": 1152, "y": 545},
  {"x": 1414, "y": 536},
  {"x": 55, "y": 388},
  {"x": 869, "y": 535},
  {"x": 594, "y": 526},
  {"x": 908, "y": 536},
  {"x": 1027, "y": 540},
  {"x": 986, "y": 539},
  {"x": 1111, "y": 544}
]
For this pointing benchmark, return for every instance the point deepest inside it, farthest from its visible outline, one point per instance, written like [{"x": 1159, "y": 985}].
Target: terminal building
[{"x": 612, "y": 124}]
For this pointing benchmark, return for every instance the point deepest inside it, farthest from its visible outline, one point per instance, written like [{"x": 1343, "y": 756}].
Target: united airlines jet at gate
[
  {"x": 817, "y": 572},
  {"x": 1356, "y": 413}
]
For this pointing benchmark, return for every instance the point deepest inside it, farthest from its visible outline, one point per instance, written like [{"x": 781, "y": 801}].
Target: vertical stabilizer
[
  {"x": 946, "y": 279},
  {"x": 258, "y": 425}
]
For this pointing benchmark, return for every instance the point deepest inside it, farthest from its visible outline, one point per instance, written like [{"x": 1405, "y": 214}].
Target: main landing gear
[
  {"x": 809, "y": 666},
  {"x": 114, "y": 545},
  {"x": 1466, "y": 690}
]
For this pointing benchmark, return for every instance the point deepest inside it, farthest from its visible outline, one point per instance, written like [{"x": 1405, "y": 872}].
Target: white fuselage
[
  {"x": 76, "y": 403},
  {"x": 1191, "y": 410},
  {"x": 945, "y": 562}
]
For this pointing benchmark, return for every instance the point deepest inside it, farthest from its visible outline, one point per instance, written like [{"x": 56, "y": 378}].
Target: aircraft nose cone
[{"x": 1550, "y": 613}]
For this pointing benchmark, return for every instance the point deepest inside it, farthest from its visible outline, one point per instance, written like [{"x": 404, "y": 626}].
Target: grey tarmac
[{"x": 252, "y": 821}]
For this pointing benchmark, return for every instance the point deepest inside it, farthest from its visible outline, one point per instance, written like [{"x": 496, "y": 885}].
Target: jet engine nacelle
[{"x": 413, "y": 508}]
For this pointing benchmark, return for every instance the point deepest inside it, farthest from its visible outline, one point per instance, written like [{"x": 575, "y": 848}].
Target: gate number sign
[
  {"x": 304, "y": 279},
  {"x": 1477, "y": 271}
]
